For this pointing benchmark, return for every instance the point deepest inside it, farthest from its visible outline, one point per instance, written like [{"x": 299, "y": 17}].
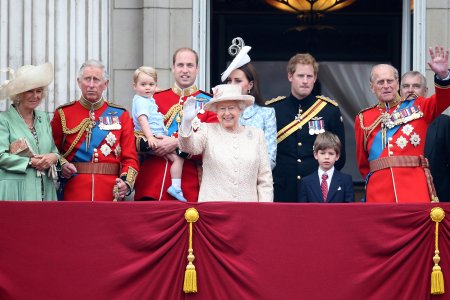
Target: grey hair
[
  {"x": 416, "y": 73},
  {"x": 94, "y": 64},
  {"x": 383, "y": 65},
  {"x": 242, "y": 105}
]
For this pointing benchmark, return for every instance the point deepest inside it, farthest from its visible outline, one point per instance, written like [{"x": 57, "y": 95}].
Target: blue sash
[
  {"x": 204, "y": 98},
  {"x": 97, "y": 136},
  {"x": 377, "y": 146},
  {"x": 376, "y": 149}
]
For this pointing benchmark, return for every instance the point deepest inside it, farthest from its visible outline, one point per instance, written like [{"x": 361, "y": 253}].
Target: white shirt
[{"x": 329, "y": 173}]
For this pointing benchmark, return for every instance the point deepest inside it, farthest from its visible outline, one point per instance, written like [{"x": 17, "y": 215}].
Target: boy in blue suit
[{"x": 327, "y": 184}]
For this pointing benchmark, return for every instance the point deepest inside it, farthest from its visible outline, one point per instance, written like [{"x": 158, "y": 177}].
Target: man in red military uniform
[
  {"x": 96, "y": 139},
  {"x": 390, "y": 136},
  {"x": 154, "y": 180}
]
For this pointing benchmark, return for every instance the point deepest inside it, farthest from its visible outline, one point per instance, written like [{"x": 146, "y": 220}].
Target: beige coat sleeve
[
  {"x": 264, "y": 180},
  {"x": 192, "y": 142}
]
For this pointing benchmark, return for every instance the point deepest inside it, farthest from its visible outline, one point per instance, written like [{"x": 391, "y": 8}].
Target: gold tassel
[
  {"x": 190, "y": 275},
  {"x": 437, "y": 278}
]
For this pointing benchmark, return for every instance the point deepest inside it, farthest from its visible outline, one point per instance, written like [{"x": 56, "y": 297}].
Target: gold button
[
  {"x": 299, "y": 177},
  {"x": 299, "y": 144}
]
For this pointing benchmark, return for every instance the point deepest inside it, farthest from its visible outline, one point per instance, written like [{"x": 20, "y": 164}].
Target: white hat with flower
[
  {"x": 240, "y": 51},
  {"x": 228, "y": 92},
  {"x": 26, "y": 78}
]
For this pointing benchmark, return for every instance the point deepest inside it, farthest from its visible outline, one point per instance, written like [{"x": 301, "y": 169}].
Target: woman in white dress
[{"x": 235, "y": 161}]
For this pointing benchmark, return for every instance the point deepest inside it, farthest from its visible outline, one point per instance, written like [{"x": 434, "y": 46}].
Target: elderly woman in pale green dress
[{"x": 28, "y": 154}]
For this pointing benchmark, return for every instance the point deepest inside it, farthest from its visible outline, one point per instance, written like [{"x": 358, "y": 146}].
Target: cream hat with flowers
[
  {"x": 26, "y": 78},
  {"x": 228, "y": 92},
  {"x": 240, "y": 51}
]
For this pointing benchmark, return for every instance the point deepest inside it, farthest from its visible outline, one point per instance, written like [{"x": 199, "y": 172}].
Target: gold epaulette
[
  {"x": 273, "y": 100},
  {"x": 67, "y": 104},
  {"x": 116, "y": 106},
  {"x": 326, "y": 99}
]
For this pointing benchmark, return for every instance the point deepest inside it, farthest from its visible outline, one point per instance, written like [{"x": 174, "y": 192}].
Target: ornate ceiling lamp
[{"x": 309, "y": 9}]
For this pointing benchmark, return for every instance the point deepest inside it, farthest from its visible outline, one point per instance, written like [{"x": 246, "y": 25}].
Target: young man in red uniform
[
  {"x": 96, "y": 139},
  {"x": 154, "y": 180},
  {"x": 390, "y": 136}
]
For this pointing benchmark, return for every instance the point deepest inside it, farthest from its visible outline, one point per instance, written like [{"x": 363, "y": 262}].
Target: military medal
[
  {"x": 105, "y": 149},
  {"x": 316, "y": 126},
  {"x": 402, "y": 116},
  {"x": 415, "y": 139},
  {"x": 111, "y": 139},
  {"x": 109, "y": 123},
  {"x": 118, "y": 151},
  {"x": 311, "y": 127},
  {"x": 321, "y": 126},
  {"x": 407, "y": 129},
  {"x": 199, "y": 103},
  {"x": 299, "y": 117}
]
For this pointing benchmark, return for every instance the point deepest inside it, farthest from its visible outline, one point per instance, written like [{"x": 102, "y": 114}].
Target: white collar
[{"x": 330, "y": 173}]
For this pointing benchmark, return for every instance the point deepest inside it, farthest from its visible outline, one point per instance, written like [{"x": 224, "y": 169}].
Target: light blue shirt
[
  {"x": 263, "y": 118},
  {"x": 147, "y": 106}
]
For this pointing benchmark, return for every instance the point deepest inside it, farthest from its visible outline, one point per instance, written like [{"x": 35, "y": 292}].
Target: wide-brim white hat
[
  {"x": 241, "y": 59},
  {"x": 228, "y": 92},
  {"x": 26, "y": 78}
]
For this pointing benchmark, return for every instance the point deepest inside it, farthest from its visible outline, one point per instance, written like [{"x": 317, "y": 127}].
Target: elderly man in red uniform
[
  {"x": 154, "y": 180},
  {"x": 96, "y": 139},
  {"x": 390, "y": 136}
]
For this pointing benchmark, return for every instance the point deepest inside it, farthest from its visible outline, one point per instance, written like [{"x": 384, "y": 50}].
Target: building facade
[{"x": 126, "y": 34}]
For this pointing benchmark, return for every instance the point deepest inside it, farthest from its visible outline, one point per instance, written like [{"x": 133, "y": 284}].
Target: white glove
[{"x": 189, "y": 113}]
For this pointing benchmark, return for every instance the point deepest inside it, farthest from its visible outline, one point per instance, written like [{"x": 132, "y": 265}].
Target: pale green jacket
[{"x": 17, "y": 180}]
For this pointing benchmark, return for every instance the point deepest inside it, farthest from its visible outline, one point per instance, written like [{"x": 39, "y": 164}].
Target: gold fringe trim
[
  {"x": 172, "y": 113},
  {"x": 190, "y": 275},
  {"x": 80, "y": 129},
  {"x": 437, "y": 214}
]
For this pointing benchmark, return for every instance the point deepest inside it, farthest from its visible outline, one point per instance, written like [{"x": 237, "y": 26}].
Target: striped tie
[{"x": 324, "y": 186}]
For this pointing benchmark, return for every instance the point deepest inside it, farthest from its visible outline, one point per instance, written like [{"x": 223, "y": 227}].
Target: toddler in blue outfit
[{"x": 148, "y": 120}]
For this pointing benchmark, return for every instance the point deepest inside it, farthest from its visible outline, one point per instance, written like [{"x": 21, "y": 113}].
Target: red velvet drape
[{"x": 61, "y": 250}]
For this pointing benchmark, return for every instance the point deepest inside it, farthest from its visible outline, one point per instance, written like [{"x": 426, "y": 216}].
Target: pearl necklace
[{"x": 31, "y": 127}]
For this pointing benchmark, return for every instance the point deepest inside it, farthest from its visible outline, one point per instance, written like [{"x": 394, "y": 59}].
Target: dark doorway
[
  {"x": 346, "y": 43},
  {"x": 363, "y": 31}
]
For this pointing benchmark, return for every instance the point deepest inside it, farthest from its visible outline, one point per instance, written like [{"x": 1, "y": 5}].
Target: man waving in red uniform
[{"x": 390, "y": 136}]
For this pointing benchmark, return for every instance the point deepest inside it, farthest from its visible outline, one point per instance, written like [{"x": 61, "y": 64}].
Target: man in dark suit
[
  {"x": 326, "y": 185},
  {"x": 300, "y": 118},
  {"x": 437, "y": 150}
]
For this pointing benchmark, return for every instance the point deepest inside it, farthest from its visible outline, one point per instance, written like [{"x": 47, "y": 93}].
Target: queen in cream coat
[{"x": 236, "y": 165}]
